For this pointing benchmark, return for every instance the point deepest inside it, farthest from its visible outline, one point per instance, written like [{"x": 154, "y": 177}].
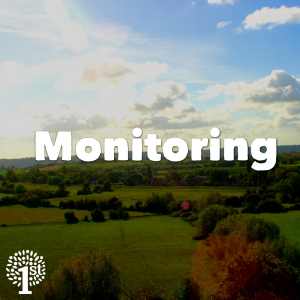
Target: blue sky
[{"x": 174, "y": 67}]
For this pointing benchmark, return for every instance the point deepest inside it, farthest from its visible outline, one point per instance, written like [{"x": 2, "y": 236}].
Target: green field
[
  {"x": 289, "y": 224},
  {"x": 129, "y": 195},
  {"x": 148, "y": 251},
  {"x": 18, "y": 215}
]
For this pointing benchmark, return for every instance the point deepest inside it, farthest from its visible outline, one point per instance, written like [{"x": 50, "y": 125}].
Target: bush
[
  {"x": 270, "y": 206},
  {"x": 20, "y": 189},
  {"x": 114, "y": 203},
  {"x": 107, "y": 187},
  {"x": 233, "y": 201},
  {"x": 98, "y": 189},
  {"x": 189, "y": 291},
  {"x": 261, "y": 230},
  {"x": 61, "y": 191},
  {"x": 7, "y": 188},
  {"x": 71, "y": 218},
  {"x": 295, "y": 206},
  {"x": 97, "y": 216},
  {"x": 252, "y": 228},
  {"x": 209, "y": 218},
  {"x": 250, "y": 202},
  {"x": 86, "y": 219},
  {"x": 86, "y": 190},
  {"x": 119, "y": 214},
  {"x": 160, "y": 204},
  {"x": 89, "y": 277}
]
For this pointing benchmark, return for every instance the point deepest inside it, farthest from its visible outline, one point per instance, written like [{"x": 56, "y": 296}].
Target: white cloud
[
  {"x": 161, "y": 96},
  {"x": 52, "y": 23},
  {"x": 223, "y": 24},
  {"x": 165, "y": 106},
  {"x": 74, "y": 123},
  {"x": 222, "y": 2},
  {"x": 278, "y": 87},
  {"x": 268, "y": 17}
]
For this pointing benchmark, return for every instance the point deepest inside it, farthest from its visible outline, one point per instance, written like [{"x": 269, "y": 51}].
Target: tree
[
  {"x": 20, "y": 189},
  {"x": 61, "y": 191},
  {"x": 270, "y": 205},
  {"x": 107, "y": 187},
  {"x": 209, "y": 218},
  {"x": 97, "y": 216},
  {"x": 231, "y": 267},
  {"x": 86, "y": 190},
  {"x": 71, "y": 218},
  {"x": 119, "y": 214},
  {"x": 89, "y": 277}
]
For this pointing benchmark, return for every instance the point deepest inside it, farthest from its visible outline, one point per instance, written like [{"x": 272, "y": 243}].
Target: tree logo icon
[{"x": 26, "y": 269}]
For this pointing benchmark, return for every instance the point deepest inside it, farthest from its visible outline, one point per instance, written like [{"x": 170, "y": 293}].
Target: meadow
[
  {"x": 151, "y": 252},
  {"x": 129, "y": 195},
  {"x": 289, "y": 224}
]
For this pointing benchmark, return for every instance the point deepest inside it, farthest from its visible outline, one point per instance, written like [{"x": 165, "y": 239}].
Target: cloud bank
[{"x": 268, "y": 17}]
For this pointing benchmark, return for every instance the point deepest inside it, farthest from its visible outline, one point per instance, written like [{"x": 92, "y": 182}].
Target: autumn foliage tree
[{"x": 232, "y": 267}]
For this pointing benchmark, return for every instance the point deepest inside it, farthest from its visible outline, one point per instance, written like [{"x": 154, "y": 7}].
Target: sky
[{"x": 100, "y": 68}]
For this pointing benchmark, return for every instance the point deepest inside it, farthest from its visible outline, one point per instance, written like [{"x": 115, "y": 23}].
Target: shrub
[
  {"x": 252, "y": 228},
  {"x": 55, "y": 180},
  {"x": 233, "y": 201},
  {"x": 61, "y": 191},
  {"x": 86, "y": 219},
  {"x": 20, "y": 189},
  {"x": 261, "y": 230},
  {"x": 119, "y": 214},
  {"x": 86, "y": 190},
  {"x": 189, "y": 291},
  {"x": 98, "y": 189},
  {"x": 71, "y": 218},
  {"x": 89, "y": 277},
  {"x": 107, "y": 187},
  {"x": 114, "y": 203},
  {"x": 159, "y": 204},
  {"x": 250, "y": 202},
  {"x": 295, "y": 206},
  {"x": 97, "y": 216},
  {"x": 209, "y": 218},
  {"x": 271, "y": 206},
  {"x": 290, "y": 253},
  {"x": 7, "y": 188}
]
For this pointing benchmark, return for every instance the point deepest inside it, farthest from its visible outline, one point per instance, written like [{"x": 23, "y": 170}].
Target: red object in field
[{"x": 186, "y": 205}]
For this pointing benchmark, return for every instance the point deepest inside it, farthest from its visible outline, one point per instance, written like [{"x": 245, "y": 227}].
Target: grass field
[
  {"x": 289, "y": 224},
  {"x": 17, "y": 215},
  {"x": 148, "y": 251},
  {"x": 129, "y": 195},
  {"x": 20, "y": 215}
]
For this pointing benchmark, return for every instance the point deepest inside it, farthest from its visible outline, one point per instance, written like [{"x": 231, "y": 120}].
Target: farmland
[
  {"x": 148, "y": 251},
  {"x": 154, "y": 247}
]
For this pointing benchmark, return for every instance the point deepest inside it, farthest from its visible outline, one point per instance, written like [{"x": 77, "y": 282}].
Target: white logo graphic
[{"x": 26, "y": 269}]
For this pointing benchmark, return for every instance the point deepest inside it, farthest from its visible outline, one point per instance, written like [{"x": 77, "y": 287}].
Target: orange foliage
[{"x": 230, "y": 268}]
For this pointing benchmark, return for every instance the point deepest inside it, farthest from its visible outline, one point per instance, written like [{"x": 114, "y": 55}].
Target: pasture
[
  {"x": 129, "y": 195},
  {"x": 289, "y": 224},
  {"x": 152, "y": 251}
]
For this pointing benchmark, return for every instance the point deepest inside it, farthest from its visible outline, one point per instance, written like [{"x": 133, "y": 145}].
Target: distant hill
[
  {"x": 30, "y": 161},
  {"x": 21, "y": 163},
  {"x": 289, "y": 149}
]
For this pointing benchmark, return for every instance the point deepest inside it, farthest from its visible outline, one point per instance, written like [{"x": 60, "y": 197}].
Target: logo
[{"x": 26, "y": 269}]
